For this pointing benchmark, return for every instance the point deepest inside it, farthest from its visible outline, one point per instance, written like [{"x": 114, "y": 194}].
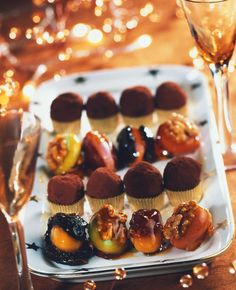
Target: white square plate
[{"x": 216, "y": 196}]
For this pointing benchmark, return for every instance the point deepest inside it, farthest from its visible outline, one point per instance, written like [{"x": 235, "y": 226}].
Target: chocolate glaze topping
[
  {"x": 104, "y": 183},
  {"x": 169, "y": 96},
  {"x": 65, "y": 189},
  {"x": 150, "y": 154},
  {"x": 182, "y": 173},
  {"x": 136, "y": 102},
  {"x": 101, "y": 105},
  {"x": 67, "y": 107},
  {"x": 143, "y": 180},
  {"x": 145, "y": 222}
]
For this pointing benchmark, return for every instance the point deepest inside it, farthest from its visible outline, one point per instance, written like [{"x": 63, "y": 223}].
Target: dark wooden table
[{"x": 171, "y": 44}]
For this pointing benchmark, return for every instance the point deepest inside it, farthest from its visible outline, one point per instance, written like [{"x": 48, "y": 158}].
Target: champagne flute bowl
[
  {"x": 213, "y": 26},
  {"x": 19, "y": 139}
]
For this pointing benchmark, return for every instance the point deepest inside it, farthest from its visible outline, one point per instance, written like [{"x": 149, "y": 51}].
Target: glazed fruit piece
[
  {"x": 98, "y": 151},
  {"x": 63, "y": 153},
  {"x": 146, "y": 230},
  {"x": 189, "y": 226},
  {"x": 150, "y": 153},
  {"x": 108, "y": 232},
  {"x": 131, "y": 146},
  {"x": 178, "y": 135},
  {"x": 66, "y": 240}
]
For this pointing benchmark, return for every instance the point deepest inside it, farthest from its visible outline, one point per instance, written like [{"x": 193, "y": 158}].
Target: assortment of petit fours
[{"x": 109, "y": 233}]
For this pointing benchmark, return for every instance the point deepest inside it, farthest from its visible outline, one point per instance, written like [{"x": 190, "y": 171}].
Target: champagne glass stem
[
  {"x": 17, "y": 232},
  {"x": 220, "y": 76}
]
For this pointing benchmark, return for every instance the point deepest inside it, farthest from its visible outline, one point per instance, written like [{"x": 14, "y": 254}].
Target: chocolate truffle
[
  {"x": 169, "y": 96},
  {"x": 66, "y": 194},
  {"x": 143, "y": 180},
  {"x": 105, "y": 186},
  {"x": 104, "y": 183},
  {"x": 182, "y": 180},
  {"x": 101, "y": 105},
  {"x": 66, "y": 107},
  {"x": 182, "y": 173},
  {"x": 65, "y": 189},
  {"x": 136, "y": 102},
  {"x": 66, "y": 112},
  {"x": 144, "y": 187},
  {"x": 136, "y": 106},
  {"x": 102, "y": 112}
]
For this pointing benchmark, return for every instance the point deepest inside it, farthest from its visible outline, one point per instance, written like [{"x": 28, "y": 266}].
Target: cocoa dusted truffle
[
  {"x": 170, "y": 96},
  {"x": 105, "y": 186},
  {"x": 144, "y": 186},
  {"x": 66, "y": 110},
  {"x": 66, "y": 194},
  {"x": 101, "y": 105},
  {"x": 102, "y": 112},
  {"x": 136, "y": 106},
  {"x": 182, "y": 180}
]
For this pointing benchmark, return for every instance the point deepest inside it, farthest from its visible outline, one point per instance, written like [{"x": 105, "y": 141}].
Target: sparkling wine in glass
[
  {"x": 213, "y": 25},
  {"x": 19, "y": 139}
]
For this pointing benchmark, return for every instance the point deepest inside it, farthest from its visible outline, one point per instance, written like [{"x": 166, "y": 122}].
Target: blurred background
[{"x": 43, "y": 39}]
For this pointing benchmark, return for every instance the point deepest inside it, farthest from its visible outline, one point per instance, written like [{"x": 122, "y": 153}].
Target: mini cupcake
[
  {"x": 169, "y": 98},
  {"x": 66, "y": 110},
  {"x": 105, "y": 186},
  {"x": 144, "y": 187},
  {"x": 182, "y": 180},
  {"x": 102, "y": 112},
  {"x": 63, "y": 153},
  {"x": 136, "y": 106},
  {"x": 66, "y": 194}
]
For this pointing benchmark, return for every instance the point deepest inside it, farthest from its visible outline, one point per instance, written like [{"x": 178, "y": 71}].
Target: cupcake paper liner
[
  {"x": 147, "y": 120},
  {"x": 156, "y": 202},
  {"x": 177, "y": 197},
  {"x": 96, "y": 203},
  {"x": 164, "y": 115},
  {"x": 106, "y": 125},
  {"x": 77, "y": 207},
  {"x": 66, "y": 127}
]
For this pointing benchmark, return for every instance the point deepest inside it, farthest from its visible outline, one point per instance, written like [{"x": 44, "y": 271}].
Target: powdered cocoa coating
[
  {"x": 136, "y": 102},
  {"x": 66, "y": 107},
  {"x": 101, "y": 105},
  {"x": 143, "y": 180},
  {"x": 65, "y": 189},
  {"x": 104, "y": 183},
  {"x": 182, "y": 173},
  {"x": 169, "y": 96}
]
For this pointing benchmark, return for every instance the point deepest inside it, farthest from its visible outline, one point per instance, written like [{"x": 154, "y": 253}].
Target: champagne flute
[
  {"x": 19, "y": 139},
  {"x": 213, "y": 25}
]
